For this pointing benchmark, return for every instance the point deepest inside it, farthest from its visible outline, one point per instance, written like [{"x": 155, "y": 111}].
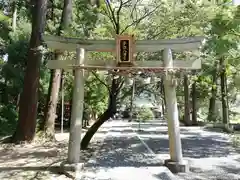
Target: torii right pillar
[{"x": 175, "y": 163}]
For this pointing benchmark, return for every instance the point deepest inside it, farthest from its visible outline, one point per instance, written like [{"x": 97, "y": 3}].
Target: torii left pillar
[
  {"x": 77, "y": 110},
  {"x": 73, "y": 160}
]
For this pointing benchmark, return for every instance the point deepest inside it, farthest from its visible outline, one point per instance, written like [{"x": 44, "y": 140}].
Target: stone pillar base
[
  {"x": 71, "y": 170},
  {"x": 176, "y": 167}
]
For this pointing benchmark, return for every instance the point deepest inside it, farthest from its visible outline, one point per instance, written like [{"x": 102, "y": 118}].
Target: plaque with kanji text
[{"x": 124, "y": 49}]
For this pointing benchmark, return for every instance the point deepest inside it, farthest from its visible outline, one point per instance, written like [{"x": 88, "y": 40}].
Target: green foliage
[
  {"x": 13, "y": 69},
  {"x": 8, "y": 119},
  {"x": 3, "y": 17},
  {"x": 85, "y": 19},
  {"x": 5, "y": 29},
  {"x": 223, "y": 32},
  {"x": 22, "y": 32},
  {"x": 96, "y": 97},
  {"x": 236, "y": 141},
  {"x": 219, "y": 24},
  {"x": 12, "y": 74},
  {"x": 144, "y": 114}
]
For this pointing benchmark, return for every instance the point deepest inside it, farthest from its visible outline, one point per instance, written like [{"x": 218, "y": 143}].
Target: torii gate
[{"x": 125, "y": 47}]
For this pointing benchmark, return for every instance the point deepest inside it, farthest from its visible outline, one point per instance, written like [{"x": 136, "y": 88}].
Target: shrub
[
  {"x": 8, "y": 120},
  {"x": 236, "y": 141},
  {"x": 144, "y": 114}
]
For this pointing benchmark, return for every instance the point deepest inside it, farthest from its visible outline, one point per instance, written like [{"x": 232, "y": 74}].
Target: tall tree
[
  {"x": 14, "y": 16},
  {"x": 223, "y": 77},
  {"x": 163, "y": 97},
  {"x": 194, "y": 102},
  {"x": 212, "y": 103},
  {"x": 224, "y": 39},
  {"x": 29, "y": 98},
  {"x": 55, "y": 79}
]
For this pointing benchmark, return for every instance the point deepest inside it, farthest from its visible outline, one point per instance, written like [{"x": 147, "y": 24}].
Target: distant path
[{"x": 128, "y": 154}]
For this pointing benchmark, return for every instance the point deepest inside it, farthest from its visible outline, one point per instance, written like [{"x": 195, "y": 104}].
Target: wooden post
[
  {"x": 62, "y": 111},
  {"x": 132, "y": 99},
  {"x": 175, "y": 164},
  {"x": 77, "y": 111}
]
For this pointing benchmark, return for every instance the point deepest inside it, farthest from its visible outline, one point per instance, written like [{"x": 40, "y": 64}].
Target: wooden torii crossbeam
[
  {"x": 110, "y": 65},
  {"x": 124, "y": 47},
  {"x": 70, "y": 44}
]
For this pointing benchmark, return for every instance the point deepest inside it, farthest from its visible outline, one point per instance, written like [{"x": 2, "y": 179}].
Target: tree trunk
[
  {"x": 163, "y": 97},
  {"x": 18, "y": 102},
  {"x": 111, "y": 110},
  {"x": 14, "y": 16},
  {"x": 70, "y": 108},
  {"x": 194, "y": 104},
  {"x": 62, "y": 111},
  {"x": 29, "y": 98},
  {"x": 85, "y": 116},
  {"x": 50, "y": 112},
  {"x": 223, "y": 77},
  {"x": 131, "y": 101},
  {"x": 187, "y": 120},
  {"x": 55, "y": 79},
  {"x": 212, "y": 103}
]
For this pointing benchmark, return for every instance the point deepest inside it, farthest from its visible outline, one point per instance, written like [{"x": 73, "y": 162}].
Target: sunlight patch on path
[{"x": 131, "y": 173}]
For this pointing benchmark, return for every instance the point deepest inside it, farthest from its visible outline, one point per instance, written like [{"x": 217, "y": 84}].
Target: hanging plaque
[{"x": 124, "y": 49}]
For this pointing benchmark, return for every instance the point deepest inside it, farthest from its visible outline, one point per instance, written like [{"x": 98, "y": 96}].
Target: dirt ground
[{"x": 37, "y": 161}]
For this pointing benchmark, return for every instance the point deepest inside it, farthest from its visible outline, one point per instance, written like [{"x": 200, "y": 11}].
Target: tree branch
[
  {"x": 155, "y": 35},
  {"x": 110, "y": 9},
  {"x": 118, "y": 16},
  {"x": 101, "y": 81},
  {"x": 120, "y": 86},
  {"x": 110, "y": 18},
  {"x": 134, "y": 8},
  {"x": 136, "y": 22},
  {"x": 234, "y": 32},
  {"x": 125, "y": 95}
]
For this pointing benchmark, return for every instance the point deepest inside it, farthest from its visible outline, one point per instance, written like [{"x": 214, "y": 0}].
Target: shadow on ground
[
  {"x": 37, "y": 161},
  {"x": 118, "y": 152},
  {"x": 123, "y": 152},
  {"x": 211, "y": 154},
  {"x": 194, "y": 147},
  {"x": 125, "y": 156}
]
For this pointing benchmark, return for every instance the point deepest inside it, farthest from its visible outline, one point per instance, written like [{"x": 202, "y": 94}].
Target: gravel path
[
  {"x": 210, "y": 154},
  {"x": 124, "y": 157},
  {"x": 129, "y": 154}
]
